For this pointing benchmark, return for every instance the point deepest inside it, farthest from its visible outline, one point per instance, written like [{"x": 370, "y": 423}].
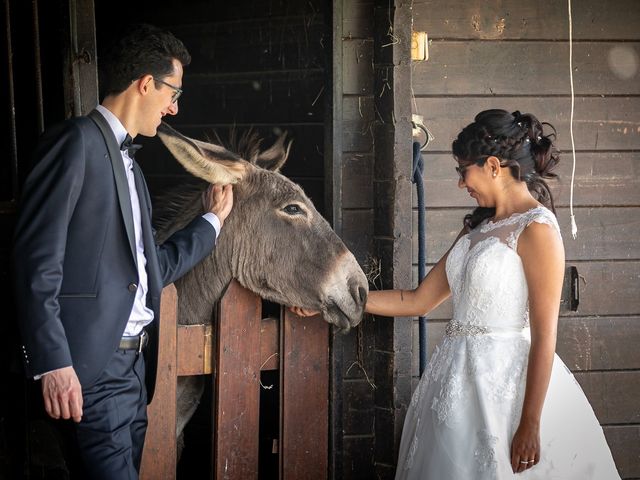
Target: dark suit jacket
[{"x": 75, "y": 263}]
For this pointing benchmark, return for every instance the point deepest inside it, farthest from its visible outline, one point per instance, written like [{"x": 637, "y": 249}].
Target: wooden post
[
  {"x": 159, "y": 455},
  {"x": 237, "y": 395},
  {"x": 304, "y": 402}
]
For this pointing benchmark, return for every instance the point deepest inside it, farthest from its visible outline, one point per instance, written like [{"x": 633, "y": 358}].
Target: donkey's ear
[
  {"x": 275, "y": 156},
  {"x": 208, "y": 161}
]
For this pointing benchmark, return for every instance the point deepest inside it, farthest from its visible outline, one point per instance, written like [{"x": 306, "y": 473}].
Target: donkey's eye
[{"x": 293, "y": 209}]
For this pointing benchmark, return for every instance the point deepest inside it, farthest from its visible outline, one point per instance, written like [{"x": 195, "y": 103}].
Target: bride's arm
[
  {"x": 431, "y": 292},
  {"x": 542, "y": 253}
]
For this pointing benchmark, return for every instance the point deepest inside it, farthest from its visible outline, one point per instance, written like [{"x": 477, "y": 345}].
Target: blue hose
[{"x": 418, "y": 169}]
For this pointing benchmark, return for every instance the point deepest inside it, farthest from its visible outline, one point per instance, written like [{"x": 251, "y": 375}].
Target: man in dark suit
[{"x": 88, "y": 272}]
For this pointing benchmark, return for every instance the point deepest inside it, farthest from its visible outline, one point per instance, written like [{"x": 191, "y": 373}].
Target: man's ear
[{"x": 144, "y": 84}]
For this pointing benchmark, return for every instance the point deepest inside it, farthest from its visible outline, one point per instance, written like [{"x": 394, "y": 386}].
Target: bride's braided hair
[{"x": 518, "y": 141}]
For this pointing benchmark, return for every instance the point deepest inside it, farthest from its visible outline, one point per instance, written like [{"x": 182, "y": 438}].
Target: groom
[{"x": 88, "y": 274}]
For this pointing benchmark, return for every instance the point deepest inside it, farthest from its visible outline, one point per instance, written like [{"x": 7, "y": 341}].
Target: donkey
[{"x": 274, "y": 242}]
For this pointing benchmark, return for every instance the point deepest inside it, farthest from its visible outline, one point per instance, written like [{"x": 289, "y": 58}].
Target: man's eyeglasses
[{"x": 176, "y": 91}]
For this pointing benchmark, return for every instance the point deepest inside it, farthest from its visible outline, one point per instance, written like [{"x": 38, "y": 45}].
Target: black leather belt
[{"x": 134, "y": 343}]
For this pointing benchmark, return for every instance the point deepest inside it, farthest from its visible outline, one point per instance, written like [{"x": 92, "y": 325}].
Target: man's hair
[{"x": 142, "y": 50}]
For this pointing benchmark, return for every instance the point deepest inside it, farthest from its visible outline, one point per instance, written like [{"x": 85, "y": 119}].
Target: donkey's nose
[
  {"x": 362, "y": 294},
  {"x": 358, "y": 293}
]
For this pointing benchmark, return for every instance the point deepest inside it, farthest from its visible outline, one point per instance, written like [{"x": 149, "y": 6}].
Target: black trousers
[{"x": 114, "y": 422}]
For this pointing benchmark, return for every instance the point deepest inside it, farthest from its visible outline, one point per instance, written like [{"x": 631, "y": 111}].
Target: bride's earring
[{"x": 494, "y": 174}]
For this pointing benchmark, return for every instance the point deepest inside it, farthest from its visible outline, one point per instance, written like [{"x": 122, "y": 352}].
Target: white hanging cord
[{"x": 574, "y": 227}]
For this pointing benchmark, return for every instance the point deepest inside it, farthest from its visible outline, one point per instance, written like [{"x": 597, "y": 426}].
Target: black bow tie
[{"x": 130, "y": 147}]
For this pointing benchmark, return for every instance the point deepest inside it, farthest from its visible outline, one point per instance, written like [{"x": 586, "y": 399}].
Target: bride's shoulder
[
  {"x": 540, "y": 215},
  {"x": 540, "y": 227}
]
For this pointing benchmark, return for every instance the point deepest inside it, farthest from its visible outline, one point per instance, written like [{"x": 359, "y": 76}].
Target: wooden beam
[
  {"x": 194, "y": 350},
  {"x": 304, "y": 405},
  {"x": 237, "y": 396},
  {"x": 159, "y": 455}
]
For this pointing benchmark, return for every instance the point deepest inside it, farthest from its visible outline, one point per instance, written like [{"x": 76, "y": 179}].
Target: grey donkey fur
[{"x": 274, "y": 242}]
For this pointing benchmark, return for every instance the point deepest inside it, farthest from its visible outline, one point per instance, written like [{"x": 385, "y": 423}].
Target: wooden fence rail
[{"x": 241, "y": 344}]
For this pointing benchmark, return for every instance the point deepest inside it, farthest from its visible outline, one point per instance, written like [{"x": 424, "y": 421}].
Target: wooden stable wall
[
  {"x": 372, "y": 203},
  {"x": 514, "y": 55}
]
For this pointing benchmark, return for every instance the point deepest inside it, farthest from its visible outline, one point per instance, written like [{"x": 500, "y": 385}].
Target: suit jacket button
[{"x": 132, "y": 287}]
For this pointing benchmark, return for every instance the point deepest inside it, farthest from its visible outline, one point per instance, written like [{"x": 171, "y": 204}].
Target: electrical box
[{"x": 419, "y": 46}]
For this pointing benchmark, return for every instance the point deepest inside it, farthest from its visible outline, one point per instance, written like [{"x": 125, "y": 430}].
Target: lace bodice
[{"x": 486, "y": 277}]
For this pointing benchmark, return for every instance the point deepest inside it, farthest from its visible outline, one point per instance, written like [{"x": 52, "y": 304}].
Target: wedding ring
[
  {"x": 531, "y": 461},
  {"x": 524, "y": 462}
]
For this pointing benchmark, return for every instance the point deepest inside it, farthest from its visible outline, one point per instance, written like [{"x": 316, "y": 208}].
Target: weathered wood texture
[
  {"x": 600, "y": 123},
  {"x": 602, "y": 179},
  {"x": 514, "y": 20},
  {"x": 159, "y": 454},
  {"x": 391, "y": 128},
  {"x": 352, "y": 400},
  {"x": 514, "y": 55},
  {"x": 237, "y": 395},
  {"x": 195, "y": 344},
  {"x": 304, "y": 383},
  {"x": 529, "y": 68},
  {"x": 607, "y": 233}
]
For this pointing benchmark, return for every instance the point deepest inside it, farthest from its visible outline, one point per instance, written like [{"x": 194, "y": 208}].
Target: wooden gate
[{"x": 234, "y": 352}]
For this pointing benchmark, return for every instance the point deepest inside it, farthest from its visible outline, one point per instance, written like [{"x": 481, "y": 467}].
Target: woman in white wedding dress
[{"x": 495, "y": 402}]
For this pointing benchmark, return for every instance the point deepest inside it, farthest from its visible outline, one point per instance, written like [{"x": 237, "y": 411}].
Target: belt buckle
[{"x": 141, "y": 338}]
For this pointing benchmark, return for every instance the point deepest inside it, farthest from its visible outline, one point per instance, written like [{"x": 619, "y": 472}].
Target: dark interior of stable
[{"x": 255, "y": 64}]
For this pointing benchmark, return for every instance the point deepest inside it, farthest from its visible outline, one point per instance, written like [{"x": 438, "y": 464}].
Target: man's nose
[
  {"x": 461, "y": 183},
  {"x": 173, "y": 109}
]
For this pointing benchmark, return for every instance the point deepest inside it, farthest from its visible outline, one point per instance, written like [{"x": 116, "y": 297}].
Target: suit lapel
[
  {"x": 120, "y": 177},
  {"x": 148, "y": 239}
]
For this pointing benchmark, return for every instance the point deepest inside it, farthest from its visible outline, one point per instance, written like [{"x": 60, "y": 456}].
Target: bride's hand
[{"x": 525, "y": 447}]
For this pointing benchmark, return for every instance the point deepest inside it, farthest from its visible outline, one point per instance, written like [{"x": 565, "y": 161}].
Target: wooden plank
[
  {"x": 359, "y": 457},
  {"x": 602, "y": 179},
  {"x": 280, "y": 43},
  {"x": 357, "y": 174},
  {"x": 304, "y": 384},
  {"x": 358, "y": 398},
  {"x": 357, "y": 121},
  {"x": 584, "y": 343},
  {"x": 609, "y": 123},
  {"x": 606, "y": 288},
  {"x": 604, "y": 233},
  {"x": 81, "y": 67},
  {"x": 194, "y": 350},
  {"x": 624, "y": 441},
  {"x": 204, "y": 11},
  {"x": 277, "y": 100},
  {"x": 601, "y": 68},
  {"x": 357, "y": 62},
  {"x": 356, "y": 233},
  {"x": 599, "y": 343},
  {"x": 269, "y": 344},
  {"x": 237, "y": 391},
  {"x": 613, "y": 395},
  {"x": 510, "y": 19},
  {"x": 357, "y": 19},
  {"x": 160, "y": 446}
]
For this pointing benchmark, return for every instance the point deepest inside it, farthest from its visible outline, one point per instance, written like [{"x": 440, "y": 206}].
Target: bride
[{"x": 495, "y": 400}]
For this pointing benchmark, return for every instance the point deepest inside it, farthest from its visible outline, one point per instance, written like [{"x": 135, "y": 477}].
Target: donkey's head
[{"x": 274, "y": 242}]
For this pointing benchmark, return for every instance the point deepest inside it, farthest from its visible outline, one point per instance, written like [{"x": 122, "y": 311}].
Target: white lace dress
[{"x": 467, "y": 405}]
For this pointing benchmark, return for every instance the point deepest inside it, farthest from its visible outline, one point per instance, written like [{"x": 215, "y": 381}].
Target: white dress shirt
[{"x": 140, "y": 315}]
